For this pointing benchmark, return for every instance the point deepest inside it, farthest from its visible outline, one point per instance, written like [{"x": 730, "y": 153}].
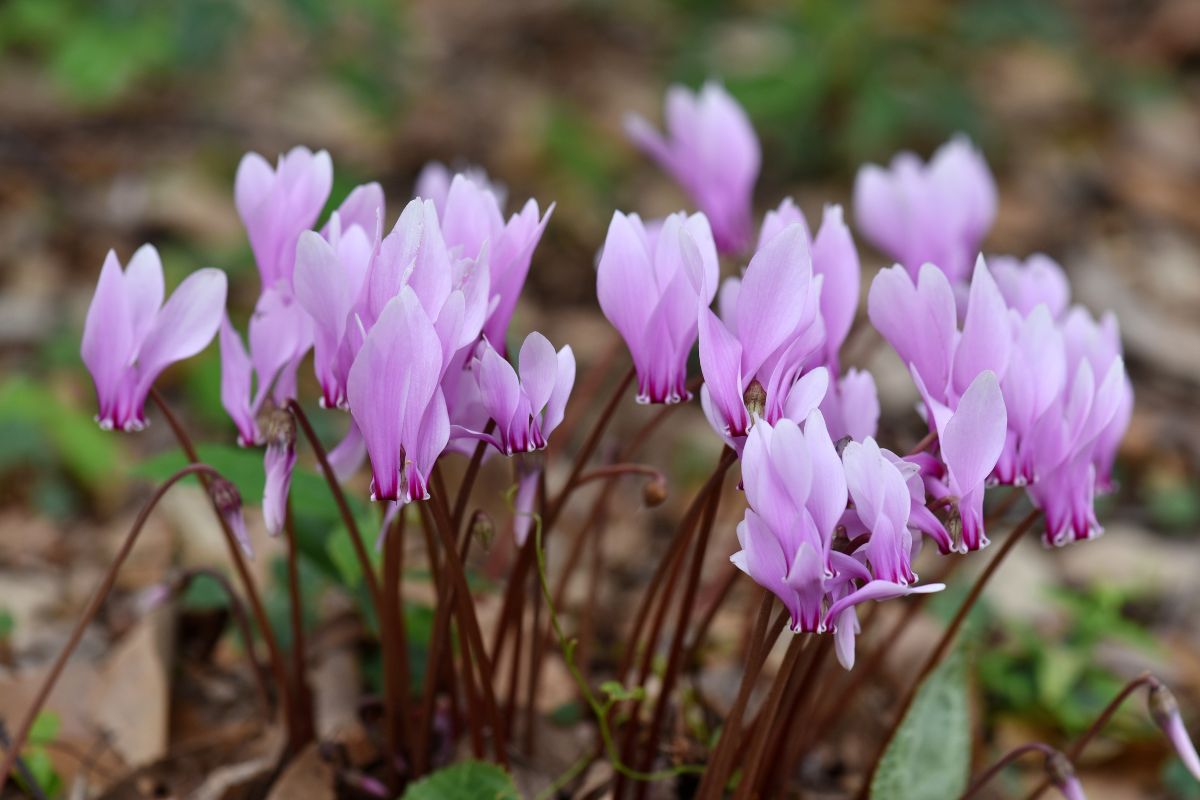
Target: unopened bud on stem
[{"x": 228, "y": 502}]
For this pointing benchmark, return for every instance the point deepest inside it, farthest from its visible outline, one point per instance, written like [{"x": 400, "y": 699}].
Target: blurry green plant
[
  {"x": 1064, "y": 686},
  {"x": 37, "y": 759}
]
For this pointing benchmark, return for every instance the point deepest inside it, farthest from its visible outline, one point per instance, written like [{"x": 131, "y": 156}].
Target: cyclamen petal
[
  {"x": 836, "y": 259},
  {"x": 277, "y": 205},
  {"x": 712, "y": 153},
  {"x": 651, "y": 295},
  {"x": 928, "y": 213},
  {"x": 392, "y": 384},
  {"x": 918, "y": 321},
  {"x": 128, "y": 340},
  {"x": 278, "y": 462},
  {"x": 986, "y": 337}
]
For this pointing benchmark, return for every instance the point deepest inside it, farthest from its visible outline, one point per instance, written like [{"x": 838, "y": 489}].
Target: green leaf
[
  {"x": 45, "y": 728},
  {"x": 41, "y": 769},
  {"x": 470, "y": 780},
  {"x": 244, "y": 466},
  {"x": 89, "y": 454},
  {"x": 930, "y": 756}
]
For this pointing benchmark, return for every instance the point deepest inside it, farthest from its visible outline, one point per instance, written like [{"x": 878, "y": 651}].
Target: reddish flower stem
[
  {"x": 339, "y": 497},
  {"x": 1008, "y": 758},
  {"x": 675, "y": 654},
  {"x": 468, "y": 481},
  {"x": 519, "y": 575},
  {"x": 770, "y": 709},
  {"x": 89, "y": 613},
  {"x": 1076, "y": 749},
  {"x": 468, "y": 622},
  {"x": 304, "y": 702},
  {"x": 717, "y": 775},
  {"x": 394, "y": 645},
  {"x": 275, "y": 656},
  {"x": 947, "y": 639}
]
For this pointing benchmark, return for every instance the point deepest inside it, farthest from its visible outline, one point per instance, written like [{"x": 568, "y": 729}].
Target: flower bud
[
  {"x": 1165, "y": 711},
  {"x": 228, "y": 502},
  {"x": 654, "y": 492},
  {"x": 1061, "y": 773}
]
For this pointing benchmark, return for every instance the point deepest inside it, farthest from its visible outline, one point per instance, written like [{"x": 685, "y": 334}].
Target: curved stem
[
  {"x": 468, "y": 621},
  {"x": 274, "y": 655},
  {"x": 242, "y": 621},
  {"x": 717, "y": 774},
  {"x": 1076, "y": 749},
  {"x": 516, "y": 580},
  {"x": 93, "y": 608},
  {"x": 339, "y": 497},
  {"x": 947, "y": 639},
  {"x": 675, "y": 654},
  {"x": 616, "y": 470},
  {"x": 1008, "y": 758}
]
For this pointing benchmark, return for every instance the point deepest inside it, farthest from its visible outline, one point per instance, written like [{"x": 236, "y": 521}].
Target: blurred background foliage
[{"x": 121, "y": 121}]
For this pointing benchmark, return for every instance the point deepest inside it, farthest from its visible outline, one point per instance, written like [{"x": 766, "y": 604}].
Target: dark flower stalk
[{"x": 89, "y": 613}]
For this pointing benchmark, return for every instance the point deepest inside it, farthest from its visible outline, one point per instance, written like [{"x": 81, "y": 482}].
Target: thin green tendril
[{"x": 600, "y": 709}]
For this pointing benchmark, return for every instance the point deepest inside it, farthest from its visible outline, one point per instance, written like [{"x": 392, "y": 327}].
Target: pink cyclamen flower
[
  {"x": 851, "y": 406},
  {"x": 970, "y": 438},
  {"x": 526, "y": 404},
  {"x": 256, "y": 386},
  {"x": 649, "y": 288},
  {"x": 276, "y": 205},
  {"x": 920, "y": 213},
  {"x": 752, "y": 357},
  {"x": 130, "y": 336},
  {"x": 471, "y": 219},
  {"x": 712, "y": 152},
  {"x": 796, "y": 492},
  {"x": 331, "y": 272},
  {"x": 835, "y": 259},
  {"x": 396, "y": 400}
]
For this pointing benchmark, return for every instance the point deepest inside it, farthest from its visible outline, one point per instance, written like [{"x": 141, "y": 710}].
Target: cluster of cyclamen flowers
[
  {"x": 407, "y": 329},
  {"x": 1017, "y": 387},
  {"x": 408, "y": 332}
]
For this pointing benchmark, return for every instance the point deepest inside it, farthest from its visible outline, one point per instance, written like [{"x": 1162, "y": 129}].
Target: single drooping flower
[
  {"x": 1075, "y": 440},
  {"x": 276, "y": 205},
  {"x": 935, "y": 213},
  {"x": 753, "y": 356},
  {"x": 525, "y": 404},
  {"x": 650, "y": 287},
  {"x": 396, "y": 401},
  {"x": 712, "y": 152},
  {"x": 256, "y": 386},
  {"x": 331, "y": 272},
  {"x": 881, "y": 503},
  {"x": 130, "y": 336},
  {"x": 796, "y": 493},
  {"x": 471, "y": 219},
  {"x": 228, "y": 502}
]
